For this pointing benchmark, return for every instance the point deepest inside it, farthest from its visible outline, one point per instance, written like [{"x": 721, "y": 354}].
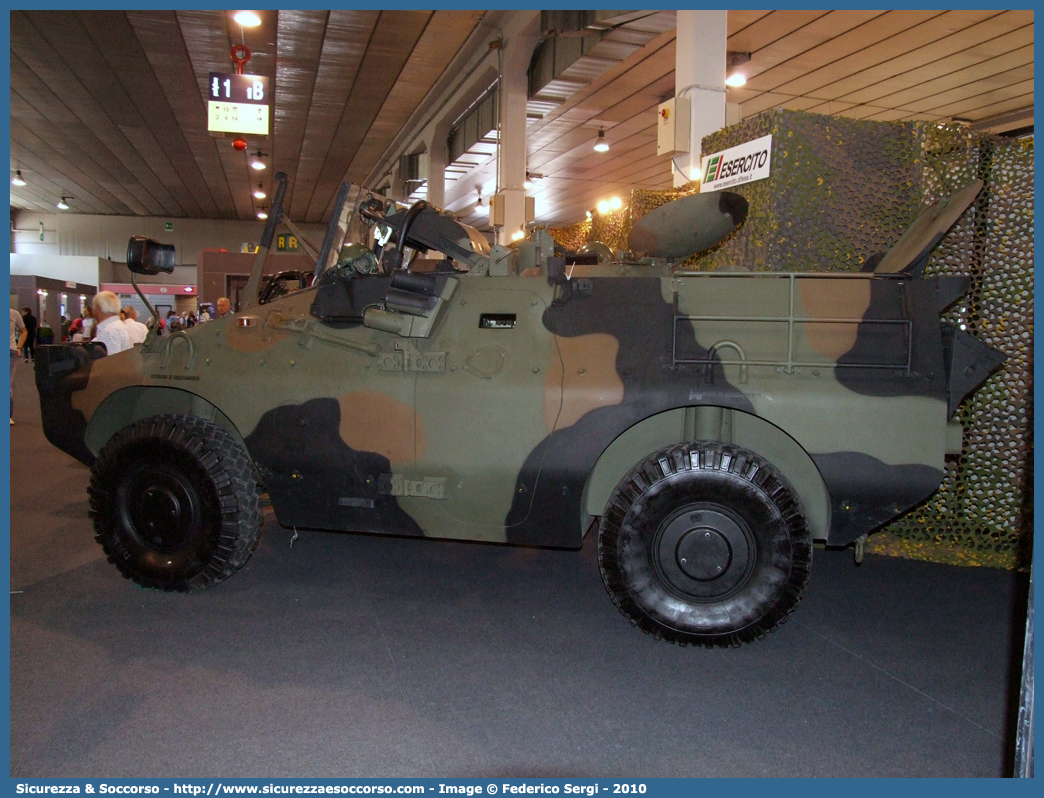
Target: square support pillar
[{"x": 699, "y": 75}]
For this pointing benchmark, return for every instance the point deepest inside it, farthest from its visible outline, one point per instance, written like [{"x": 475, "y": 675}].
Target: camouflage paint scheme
[{"x": 530, "y": 398}]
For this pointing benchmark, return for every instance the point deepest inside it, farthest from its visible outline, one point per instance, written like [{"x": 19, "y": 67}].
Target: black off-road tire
[
  {"x": 705, "y": 543},
  {"x": 175, "y": 503}
]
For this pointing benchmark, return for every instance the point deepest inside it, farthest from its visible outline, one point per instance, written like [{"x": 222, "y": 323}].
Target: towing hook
[{"x": 860, "y": 548}]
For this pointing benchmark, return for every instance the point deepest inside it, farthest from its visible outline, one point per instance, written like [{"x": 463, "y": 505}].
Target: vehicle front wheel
[
  {"x": 705, "y": 543},
  {"x": 175, "y": 503}
]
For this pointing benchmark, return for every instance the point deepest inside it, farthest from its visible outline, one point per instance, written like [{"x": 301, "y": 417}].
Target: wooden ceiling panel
[
  {"x": 52, "y": 167},
  {"x": 981, "y": 105},
  {"x": 988, "y": 39},
  {"x": 770, "y": 67},
  {"x": 344, "y": 45},
  {"x": 47, "y": 64},
  {"x": 769, "y": 28},
  {"x": 661, "y": 49},
  {"x": 207, "y": 37},
  {"x": 161, "y": 40},
  {"x": 871, "y": 114},
  {"x": 299, "y": 51},
  {"x": 389, "y": 48},
  {"x": 443, "y": 36},
  {"x": 879, "y": 42},
  {"x": 765, "y": 101},
  {"x": 1015, "y": 104},
  {"x": 73, "y": 140},
  {"x": 1011, "y": 68},
  {"x": 110, "y": 106},
  {"x": 580, "y": 155},
  {"x": 50, "y": 145},
  {"x": 119, "y": 46},
  {"x": 742, "y": 19}
]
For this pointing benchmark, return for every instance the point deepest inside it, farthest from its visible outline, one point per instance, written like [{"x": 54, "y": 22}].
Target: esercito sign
[{"x": 743, "y": 164}]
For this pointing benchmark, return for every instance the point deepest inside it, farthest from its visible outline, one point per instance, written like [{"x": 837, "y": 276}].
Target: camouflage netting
[
  {"x": 612, "y": 228},
  {"x": 982, "y": 514},
  {"x": 842, "y": 190}
]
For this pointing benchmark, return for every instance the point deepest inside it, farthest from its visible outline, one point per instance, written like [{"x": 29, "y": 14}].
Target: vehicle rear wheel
[
  {"x": 705, "y": 543},
  {"x": 175, "y": 503}
]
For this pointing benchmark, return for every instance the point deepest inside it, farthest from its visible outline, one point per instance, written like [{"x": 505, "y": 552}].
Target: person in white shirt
[
  {"x": 88, "y": 323},
  {"x": 18, "y": 336},
  {"x": 110, "y": 329},
  {"x": 138, "y": 330}
]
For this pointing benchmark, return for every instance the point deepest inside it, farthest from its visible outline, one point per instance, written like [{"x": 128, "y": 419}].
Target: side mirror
[{"x": 145, "y": 256}]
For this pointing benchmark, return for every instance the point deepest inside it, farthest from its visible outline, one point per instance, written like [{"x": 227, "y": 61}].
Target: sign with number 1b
[{"x": 238, "y": 104}]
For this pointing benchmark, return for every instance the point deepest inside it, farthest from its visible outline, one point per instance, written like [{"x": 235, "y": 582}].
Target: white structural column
[
  {"x": 514, "y": 91},
  {"x": 699, "y": 76}
]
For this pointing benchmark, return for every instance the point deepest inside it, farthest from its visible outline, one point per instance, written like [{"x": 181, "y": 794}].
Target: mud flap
[
  {"x": 61, "y": 370},
  {"x": 968, "y": 363}
]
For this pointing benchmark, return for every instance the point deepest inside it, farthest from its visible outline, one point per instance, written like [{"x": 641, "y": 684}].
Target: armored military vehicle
[{"x": 707, "y": 427}]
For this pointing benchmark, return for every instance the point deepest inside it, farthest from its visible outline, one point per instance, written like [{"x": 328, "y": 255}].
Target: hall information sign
[{"x": 238, "y": 104}]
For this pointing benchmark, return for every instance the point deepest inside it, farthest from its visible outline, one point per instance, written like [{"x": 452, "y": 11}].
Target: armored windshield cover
[{"x": 928, "y": 230}]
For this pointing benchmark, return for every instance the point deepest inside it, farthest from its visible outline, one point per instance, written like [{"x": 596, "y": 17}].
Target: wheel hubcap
[
  {"x": 704, "y": 552},
  {"x": 162, "y": 509}
]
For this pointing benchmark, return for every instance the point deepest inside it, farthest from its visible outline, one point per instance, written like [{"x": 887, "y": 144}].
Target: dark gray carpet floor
[{"x": 350, "y": 655}]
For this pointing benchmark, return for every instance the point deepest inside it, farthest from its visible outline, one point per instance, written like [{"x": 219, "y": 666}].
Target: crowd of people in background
[
  {"x": 86, "y": 327},
  {"x": 105, "y": 321}
]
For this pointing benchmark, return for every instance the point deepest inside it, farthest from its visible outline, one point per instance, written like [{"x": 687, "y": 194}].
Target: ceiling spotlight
[
  {"x": 17, "y": 180},
  {"x": 262, "y": 214},
  {"x": 601, "y": 145},
  {"x": 531, "y": 178},
  {"x": 589, "y": 214},
  {"x": 478, "y": 204},
  {"x": 734, "y": 60},
  {"x": 615, "y": 203},
  {"x": 259, "y": 192},
  {"x": 257, "y": 163},
  {"x": 248, "y": 19},
  {"x": 62, "y": 205},
  {"x": 603, "y": 207}
]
